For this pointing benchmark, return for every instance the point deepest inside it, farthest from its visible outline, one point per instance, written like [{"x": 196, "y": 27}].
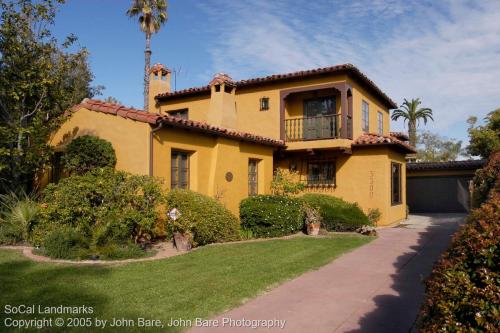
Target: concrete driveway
[{"x": 376, "y": 288}]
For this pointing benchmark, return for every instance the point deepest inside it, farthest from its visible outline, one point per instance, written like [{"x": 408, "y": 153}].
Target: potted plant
[{"x": 313, "y": 220}]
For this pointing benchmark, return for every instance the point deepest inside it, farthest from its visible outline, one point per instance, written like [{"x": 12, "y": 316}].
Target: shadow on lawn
[
  {"x": 397, "y": 312},
  {"x": 23, "y": 282}
]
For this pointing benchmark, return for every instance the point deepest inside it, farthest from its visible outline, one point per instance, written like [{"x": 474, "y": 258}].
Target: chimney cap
[
  {"x": 159, "y": 68},
  {"x": 220, "y": 78}
]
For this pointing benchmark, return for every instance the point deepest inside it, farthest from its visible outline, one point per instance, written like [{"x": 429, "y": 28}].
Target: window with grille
[
  {"x": 366, "y": 117},
  {"x": 321, "y": 173},
  {"x": 253, "y": 177},
  {"x": 179, "y": 170},
  {"x": 380, "y": 118},
  {"x": 264, "y": 104},
  {"x": 396, "y": 183}
]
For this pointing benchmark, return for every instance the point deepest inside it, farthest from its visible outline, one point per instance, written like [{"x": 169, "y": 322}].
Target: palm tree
[
  {"x": 152, "y": 15},
  {"x": 411, "y": 113}
]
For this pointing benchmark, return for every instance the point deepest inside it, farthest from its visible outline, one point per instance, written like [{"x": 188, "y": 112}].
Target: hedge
[
  {"x": 485, "y": 179},
  {"x": 272, "y": 216},
  {"x": 463, "y": 291},
  {"x": 86, "y": 153},
  {"x": 204, "y": 217},
  {"x": 337, "y": 214}
]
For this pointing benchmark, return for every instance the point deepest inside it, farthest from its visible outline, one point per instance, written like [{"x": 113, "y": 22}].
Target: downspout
[{"x": 151, "y": 134}]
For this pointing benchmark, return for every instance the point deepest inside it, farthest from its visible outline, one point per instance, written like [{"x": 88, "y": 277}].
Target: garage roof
[{"x": 447, "y": 165}]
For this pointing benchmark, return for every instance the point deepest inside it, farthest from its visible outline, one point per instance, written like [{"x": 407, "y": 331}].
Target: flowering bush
[{"x": 272, "y": 215}]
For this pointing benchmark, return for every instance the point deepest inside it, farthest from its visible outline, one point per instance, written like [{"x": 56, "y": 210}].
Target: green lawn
[{"x": 199, "y": 284}]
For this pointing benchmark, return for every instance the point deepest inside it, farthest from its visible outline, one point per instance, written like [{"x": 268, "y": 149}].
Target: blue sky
[{"x": 446, "y": 52}]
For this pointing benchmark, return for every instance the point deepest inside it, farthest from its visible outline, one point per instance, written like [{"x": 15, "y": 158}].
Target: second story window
[
  {"x": 365, "y": 109},
  {"x": 380, "y": 120},
  {"x": 264, "y": 104},
  {"x": 181, "y": 113}
]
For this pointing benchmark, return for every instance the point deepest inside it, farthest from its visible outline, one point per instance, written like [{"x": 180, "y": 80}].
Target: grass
[{"x": 199, "y": 284}]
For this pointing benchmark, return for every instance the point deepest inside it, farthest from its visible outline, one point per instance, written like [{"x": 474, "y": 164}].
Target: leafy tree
[
  {"x": 86, "y": 153},
  {"x": 484, "y": 139},
  {"x": 411, "y": 113},
  {"x": 434, "y": 148},
  {"x": 152, "y": 15},
  {"x": 39, "y": 80}
]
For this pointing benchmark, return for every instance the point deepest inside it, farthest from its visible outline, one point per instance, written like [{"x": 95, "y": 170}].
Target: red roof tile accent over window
[
  {"x": 157, "y": 119},
  {"x": 379, "y": 140},
  {"x": 349, "y": 68}
]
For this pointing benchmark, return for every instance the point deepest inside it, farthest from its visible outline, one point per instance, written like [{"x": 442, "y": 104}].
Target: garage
[{"x": 440, "y": 187}]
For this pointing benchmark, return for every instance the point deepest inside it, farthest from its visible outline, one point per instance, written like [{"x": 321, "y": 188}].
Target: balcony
[
  {"x": 312, "y": 128},
  {"x": 315, "y": 128}
]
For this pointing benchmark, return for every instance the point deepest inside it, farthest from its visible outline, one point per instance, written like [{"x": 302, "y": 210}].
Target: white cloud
[{"x": 447, "y": 52}]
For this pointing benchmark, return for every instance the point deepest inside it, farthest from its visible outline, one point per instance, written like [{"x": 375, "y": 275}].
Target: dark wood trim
[{"x": 341, "y": 87}]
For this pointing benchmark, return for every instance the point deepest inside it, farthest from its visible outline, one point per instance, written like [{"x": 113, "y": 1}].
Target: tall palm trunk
[
  {"x": 412, "y": 133},
  {"x": 147, "y": 62}
]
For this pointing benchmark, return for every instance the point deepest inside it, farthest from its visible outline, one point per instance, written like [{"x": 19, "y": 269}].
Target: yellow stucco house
[{"x": 330, "y": 125}]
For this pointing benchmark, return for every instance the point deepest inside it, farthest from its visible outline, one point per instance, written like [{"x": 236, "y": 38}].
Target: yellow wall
[
  {"x": 363, "y": 177},
  {"x": 130, "y": 139},
  {"x": 359, "y": 94},
  {"x": 210, "y": 159}
]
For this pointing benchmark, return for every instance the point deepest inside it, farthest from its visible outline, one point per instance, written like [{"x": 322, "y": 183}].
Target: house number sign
[{"x": 371, "y": 182}]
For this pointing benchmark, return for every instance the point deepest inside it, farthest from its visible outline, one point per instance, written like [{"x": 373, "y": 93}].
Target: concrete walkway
[{"x": 376, "y": 288}]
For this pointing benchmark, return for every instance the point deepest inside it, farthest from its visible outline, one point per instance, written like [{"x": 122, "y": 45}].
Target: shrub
[
  {"x": 374, "y": 215},
  {"x": 65, "y": 243},
  {"x": 285, "y": 183},
  {"x": 486, "y": 179},
  {"x": 463, "y": 291},
  {"x": 272, "y": 216},
  {"x": 337, "y": 214},
  {"x": 103, "y": 205},
  {"x": 86, "y": 153},
  {"x": 17, "y": 216},
  {"x": 205, "y": 218}
]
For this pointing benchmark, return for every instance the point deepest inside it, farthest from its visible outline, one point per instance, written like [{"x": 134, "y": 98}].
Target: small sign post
[{"x": 174, "y": 214}]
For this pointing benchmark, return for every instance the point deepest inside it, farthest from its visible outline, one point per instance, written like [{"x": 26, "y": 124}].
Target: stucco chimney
[
  {"x": 222, "y": 110},
  {"x": 159, "y": 83}
]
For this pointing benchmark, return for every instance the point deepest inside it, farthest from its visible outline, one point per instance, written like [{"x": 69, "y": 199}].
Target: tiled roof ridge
[
  {"x": 379, "y": 139},
  {"x": 156, "y": 118},
  {"x": 290, "y": 75},
  {"x": 400, "y": 135},
  {"x": 428, "y": 165}
]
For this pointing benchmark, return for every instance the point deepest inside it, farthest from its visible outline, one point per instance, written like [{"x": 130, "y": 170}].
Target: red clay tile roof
[
  {"x": 447, "y": 165},
  {"x": 159, "y": 68},
  {"x": 220, "y": 78},
  {"x": 348, "y": 68},
  {"x": 400, "y": 135},
  {"x": 372, "y": 139},
  {"x": 157, "y": 119}
]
